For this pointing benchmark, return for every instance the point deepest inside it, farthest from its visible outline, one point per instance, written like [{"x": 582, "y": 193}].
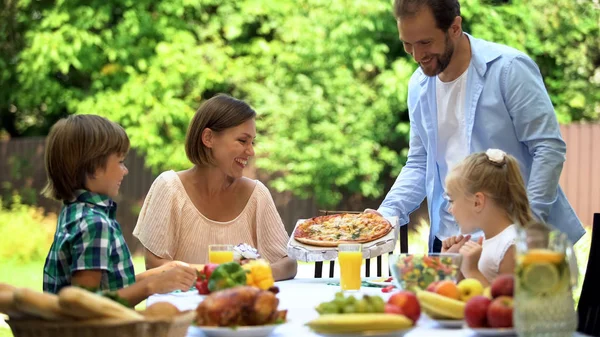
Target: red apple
[
  {"x": 431, "y": 286},
  {"x": 500, "y": 312},
  {"x": 503, "y": 285},
  {"x": 392, "y": 309},
  {"x": 476, "y": 311},
  {"x": 408, "y": 303}
]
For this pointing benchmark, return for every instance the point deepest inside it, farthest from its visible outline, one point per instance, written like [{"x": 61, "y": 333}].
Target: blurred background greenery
[{"x": 328, "y": 79}]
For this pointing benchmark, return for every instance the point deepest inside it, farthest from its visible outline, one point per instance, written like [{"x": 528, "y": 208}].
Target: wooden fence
[{"x": 22, "y": 169}]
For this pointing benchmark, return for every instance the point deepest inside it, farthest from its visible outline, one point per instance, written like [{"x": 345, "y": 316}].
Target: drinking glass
[
  {"x": 220, "y": 253},
  {"x": 350, "y": 259}
]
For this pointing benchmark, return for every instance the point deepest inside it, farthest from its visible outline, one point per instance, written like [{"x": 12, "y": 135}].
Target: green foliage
[
  {"x": 19, "y": 183},
  {"x": 26, "y": 233},
  {"x": 562, "y": 36},
  {"x": 328, "y": 78}
]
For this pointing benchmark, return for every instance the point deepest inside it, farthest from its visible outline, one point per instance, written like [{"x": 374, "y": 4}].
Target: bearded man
[{"x": 469, "y": 95}]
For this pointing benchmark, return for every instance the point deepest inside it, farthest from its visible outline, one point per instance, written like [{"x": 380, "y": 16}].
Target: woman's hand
[{"x": 284, "y": 269}]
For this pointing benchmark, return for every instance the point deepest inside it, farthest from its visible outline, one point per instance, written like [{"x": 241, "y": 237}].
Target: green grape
[
  {"x": 339, "y": 302},
  {"x": 378, "y": 304},
  {"x": 349, "y": 309},
  {"x": 351, "y": 300},
  {"x": 339, "y": 294},
  {"x": 330, "y": 308},
  {"x": 371, "y": 308},
  {"x": 378, "y": 307},
  {"x": 361, "y": 306}
]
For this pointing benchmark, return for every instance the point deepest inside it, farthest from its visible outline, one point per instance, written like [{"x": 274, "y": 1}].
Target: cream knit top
[{"x": 171, "y": 227}]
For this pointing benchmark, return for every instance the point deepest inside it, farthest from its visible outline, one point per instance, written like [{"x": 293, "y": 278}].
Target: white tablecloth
[{"x": 300, "y": 297}]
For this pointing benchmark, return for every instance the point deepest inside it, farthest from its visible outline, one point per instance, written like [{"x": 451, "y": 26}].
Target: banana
[
  {"x": 348, "y": 323},
  {"x": 438, "y": 306}
]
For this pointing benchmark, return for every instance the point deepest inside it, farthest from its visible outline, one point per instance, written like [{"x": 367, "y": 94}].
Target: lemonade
[{"x": 543, "y": 300}]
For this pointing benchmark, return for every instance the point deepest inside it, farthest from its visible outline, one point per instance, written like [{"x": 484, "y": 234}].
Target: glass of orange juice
[
  {"x": 220, "y": 253},
  {"x": 350, "y": 259}
]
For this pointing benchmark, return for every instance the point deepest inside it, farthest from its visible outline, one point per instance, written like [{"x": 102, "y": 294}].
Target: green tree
[{"x": 328, "y": 78}]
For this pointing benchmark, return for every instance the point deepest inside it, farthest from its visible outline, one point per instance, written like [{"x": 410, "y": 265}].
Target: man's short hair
[{"x": 444, "y": 11}]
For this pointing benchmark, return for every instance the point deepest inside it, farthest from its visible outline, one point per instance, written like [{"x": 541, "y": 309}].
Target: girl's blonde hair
[{"x": 497, "y": 176}]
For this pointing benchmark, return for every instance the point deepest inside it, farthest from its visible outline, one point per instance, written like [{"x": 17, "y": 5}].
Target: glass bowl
[{"x": 413, "y": 271}]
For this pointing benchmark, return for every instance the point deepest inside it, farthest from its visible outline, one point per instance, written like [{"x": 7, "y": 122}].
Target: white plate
[
  {"x": 493, "y": 331},
  {"x": 394, "y": 333},
  {"x": 380, "y": 282},
  {"x": 242, "y": 331},
  {"x": 450, "y": 323}
]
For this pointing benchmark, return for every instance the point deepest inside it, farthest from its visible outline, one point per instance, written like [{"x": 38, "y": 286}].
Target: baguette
[
  {"x": 90, "y": 305},
  {"x": 7, "y": 287},
  {"x": 44, "y": 305},
  {"x": 8, "y": 306}
]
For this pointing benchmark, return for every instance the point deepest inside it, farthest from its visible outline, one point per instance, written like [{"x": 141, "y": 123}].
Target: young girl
[{"x": 487, "y": 192}]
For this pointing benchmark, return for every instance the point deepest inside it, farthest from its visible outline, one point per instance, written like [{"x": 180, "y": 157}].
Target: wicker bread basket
[{"x": 149, "y": 327}]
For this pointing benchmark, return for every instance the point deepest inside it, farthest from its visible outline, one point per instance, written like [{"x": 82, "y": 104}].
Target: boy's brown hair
[
  {"x": 75, "y": 148},
  {"x": 219, "y": 113}
]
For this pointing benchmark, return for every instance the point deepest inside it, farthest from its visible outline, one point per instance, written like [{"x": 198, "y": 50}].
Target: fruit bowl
[{"x": 413, "y": 271}]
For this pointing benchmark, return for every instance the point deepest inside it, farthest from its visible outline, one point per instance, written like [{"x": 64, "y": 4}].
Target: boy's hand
[
  {"x": 471, "y": 252},
  {"x": 453, "y": 243},
  {"x": 179, "y": 277}
]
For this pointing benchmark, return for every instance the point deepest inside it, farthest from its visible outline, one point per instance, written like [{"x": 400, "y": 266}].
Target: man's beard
[{"x": 443, "y": 60}]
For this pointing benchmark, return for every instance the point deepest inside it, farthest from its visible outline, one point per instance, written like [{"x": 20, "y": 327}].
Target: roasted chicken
[{"x": 239, "y": 306}]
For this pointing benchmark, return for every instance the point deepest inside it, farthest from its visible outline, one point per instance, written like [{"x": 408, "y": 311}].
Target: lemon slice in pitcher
[
  {"x": 541, "y": 277},
  {"x": 542, "y": 255}
]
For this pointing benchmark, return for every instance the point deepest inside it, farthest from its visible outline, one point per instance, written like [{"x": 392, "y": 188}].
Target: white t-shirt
[
  {"x": 493, "y": 251},
  {"x": 452, "y": 144}
]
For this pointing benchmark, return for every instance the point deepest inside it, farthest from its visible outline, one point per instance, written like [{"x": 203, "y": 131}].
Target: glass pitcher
[{"x": 544, "y": 276}]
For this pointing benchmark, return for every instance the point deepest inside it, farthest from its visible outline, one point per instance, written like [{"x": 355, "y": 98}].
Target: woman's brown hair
[
  {"x": 498, "y": 178},
  {"x": 219, "y": 113},
  {"x": 75, "y": 148}
]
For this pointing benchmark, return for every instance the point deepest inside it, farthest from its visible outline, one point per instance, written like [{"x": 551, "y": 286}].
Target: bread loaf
[
  {"x": 44, "y": 305},
  {"x": 90, "y": 305}
]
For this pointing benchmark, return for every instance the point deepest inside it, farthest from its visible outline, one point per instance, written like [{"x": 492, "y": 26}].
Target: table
[{"x": 300, "y": 297}]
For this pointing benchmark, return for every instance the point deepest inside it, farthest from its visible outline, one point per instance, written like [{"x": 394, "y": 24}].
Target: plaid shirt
[{"x": 88, "y": 237}]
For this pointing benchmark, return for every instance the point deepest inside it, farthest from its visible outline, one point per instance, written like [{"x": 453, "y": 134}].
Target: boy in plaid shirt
[{"x": 84, "y": 163}]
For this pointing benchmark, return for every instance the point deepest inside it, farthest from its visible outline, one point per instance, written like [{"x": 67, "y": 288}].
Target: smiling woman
[{"x": 212, "y": 202}]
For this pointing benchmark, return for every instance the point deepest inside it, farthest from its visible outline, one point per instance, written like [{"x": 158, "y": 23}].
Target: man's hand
[
  {"x": 471, "y": 252},
  {"x": 369, "y": 210},
  {"x": 454, "y": 243}
]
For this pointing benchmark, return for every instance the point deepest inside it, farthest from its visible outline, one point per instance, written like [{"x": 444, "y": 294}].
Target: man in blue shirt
[{"x": 469, "y": 95}]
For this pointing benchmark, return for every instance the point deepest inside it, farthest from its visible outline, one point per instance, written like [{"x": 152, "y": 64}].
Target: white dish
[
  {"x": 450, "y": 323},
  {"x": 380, "y": 283},
  {"x": 242, "y": 331},
  {"x": 493, "y": 331},
  {"x": 392, "y": 333}
]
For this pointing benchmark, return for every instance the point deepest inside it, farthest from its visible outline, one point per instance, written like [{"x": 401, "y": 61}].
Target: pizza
[{"x": 331, "y": 230}]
